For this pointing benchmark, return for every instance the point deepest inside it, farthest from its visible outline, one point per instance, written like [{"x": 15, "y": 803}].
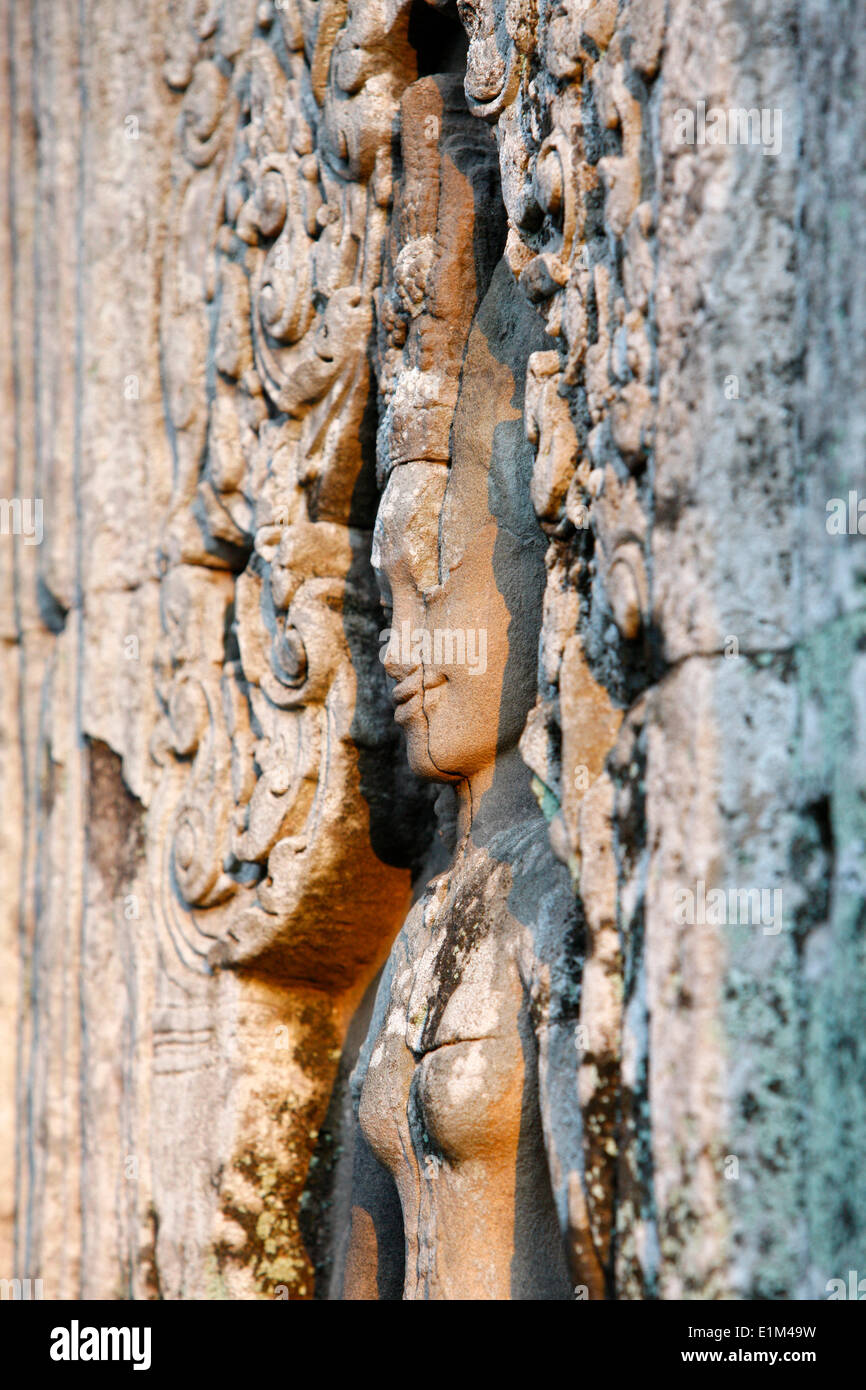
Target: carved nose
[
  {"x": 396, "y": 656},
  {"x": 395, "y": 668}
]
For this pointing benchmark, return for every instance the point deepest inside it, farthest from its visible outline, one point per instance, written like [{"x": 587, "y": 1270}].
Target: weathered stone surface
[{"x": 353, "y": 344}]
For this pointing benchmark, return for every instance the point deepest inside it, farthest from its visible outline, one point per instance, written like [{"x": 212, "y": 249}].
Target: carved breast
[
  {"x": 457, "y": 1070},
  {"x": 450, "y": 1102}
]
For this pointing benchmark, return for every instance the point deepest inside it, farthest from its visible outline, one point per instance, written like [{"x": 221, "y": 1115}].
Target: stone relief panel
[
  {"x": 285, "y": 825},
  {"x": 570, "y": 89},
  {"x": 288, "y": 257},
  {"x": 412, "y": 349},
  {"x": 282, "y": 186}
]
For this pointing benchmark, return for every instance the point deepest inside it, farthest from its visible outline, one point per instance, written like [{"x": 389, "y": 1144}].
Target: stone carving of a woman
[{"x": 463, "y": 1160}]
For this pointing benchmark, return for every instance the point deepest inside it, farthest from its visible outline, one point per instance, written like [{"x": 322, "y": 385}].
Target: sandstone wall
[{"x": 219, "y": 237}]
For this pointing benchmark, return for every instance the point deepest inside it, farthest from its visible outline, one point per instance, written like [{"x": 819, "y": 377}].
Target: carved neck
[{"x": 494, "y": 798}]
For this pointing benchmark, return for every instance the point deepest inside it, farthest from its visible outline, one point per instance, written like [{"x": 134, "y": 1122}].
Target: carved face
[
  {"x": 447, "y": 707},
  {"x": 459, "y": 564}
]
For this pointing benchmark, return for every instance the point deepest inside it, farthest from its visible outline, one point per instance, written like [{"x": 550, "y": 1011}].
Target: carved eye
[
  {"x": 289, "y": 658},
  {"x": 387, "y": 613}
]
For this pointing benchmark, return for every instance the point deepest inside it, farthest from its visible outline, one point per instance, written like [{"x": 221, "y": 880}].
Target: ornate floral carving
[
  {"x": 566, "y": 84},
  {"x": 282, "y": 185}
]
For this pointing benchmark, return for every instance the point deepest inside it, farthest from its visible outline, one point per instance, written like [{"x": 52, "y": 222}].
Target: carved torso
[{"x": 450, "y": 1101}]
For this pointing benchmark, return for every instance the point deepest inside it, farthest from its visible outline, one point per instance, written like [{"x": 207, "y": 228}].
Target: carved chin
[{"x": 418, "y": 750}]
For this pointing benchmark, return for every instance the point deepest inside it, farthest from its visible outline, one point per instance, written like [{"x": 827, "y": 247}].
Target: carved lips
[{"x": 408, "y": 696}]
